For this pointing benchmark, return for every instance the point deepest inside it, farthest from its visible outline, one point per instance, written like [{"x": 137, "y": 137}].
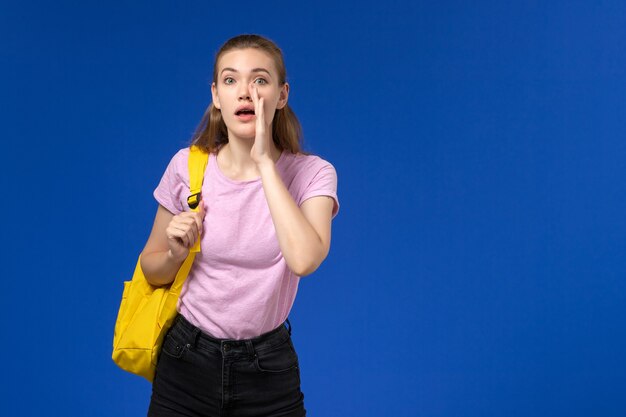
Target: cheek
[
  {"x": 271, "y": 101},
  {"x": 270, "y": 110}
]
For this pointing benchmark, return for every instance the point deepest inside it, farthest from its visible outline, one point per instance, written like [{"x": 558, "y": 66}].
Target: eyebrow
[{"x": 253, "y": 70}]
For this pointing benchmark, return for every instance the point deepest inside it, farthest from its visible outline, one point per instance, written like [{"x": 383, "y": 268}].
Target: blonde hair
[{"x": 211, "y": 133}]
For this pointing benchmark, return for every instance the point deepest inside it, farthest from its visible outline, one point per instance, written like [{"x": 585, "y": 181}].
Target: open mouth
[{"x": 244, "y": 112}]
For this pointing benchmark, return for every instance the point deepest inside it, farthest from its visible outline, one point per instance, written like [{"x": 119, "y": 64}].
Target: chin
[{"x": 243, "y": 135}]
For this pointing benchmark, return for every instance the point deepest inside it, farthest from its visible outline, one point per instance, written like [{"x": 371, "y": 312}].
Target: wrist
[{"x": 265, "y": 164}]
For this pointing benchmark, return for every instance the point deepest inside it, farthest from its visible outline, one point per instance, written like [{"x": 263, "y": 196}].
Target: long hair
[{"x": 211, "y": 133}]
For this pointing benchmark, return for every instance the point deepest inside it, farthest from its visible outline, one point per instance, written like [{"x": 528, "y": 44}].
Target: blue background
[{"x": 477, "y": 265}]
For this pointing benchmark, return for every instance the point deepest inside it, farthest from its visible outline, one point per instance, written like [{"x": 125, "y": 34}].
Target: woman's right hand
[{"x": 183, "y": 231}]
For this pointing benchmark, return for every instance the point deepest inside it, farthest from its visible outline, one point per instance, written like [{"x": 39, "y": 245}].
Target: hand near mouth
[{"x": 261, "y": 150}]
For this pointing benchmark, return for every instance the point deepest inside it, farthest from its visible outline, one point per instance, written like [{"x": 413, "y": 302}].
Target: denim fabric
[{"x": 198, "y": 375}]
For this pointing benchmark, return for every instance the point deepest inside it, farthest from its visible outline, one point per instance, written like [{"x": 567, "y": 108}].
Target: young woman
[{"x": 264, "y": 222}]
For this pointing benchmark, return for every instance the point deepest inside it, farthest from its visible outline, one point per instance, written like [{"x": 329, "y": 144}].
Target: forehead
[{"x": 244, "y": 60}]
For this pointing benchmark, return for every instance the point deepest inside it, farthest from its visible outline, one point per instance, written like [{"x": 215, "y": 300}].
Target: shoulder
[
  {"x": 308, "y": 176},
  {"x": 171, "y": 191},
  {"x": 181, "y": 156},
  {"x": 305, "y": 164},
  {"x": 177, "y": 171},
  {"x": 178, "y": 163},
  {"x": 304, "y": 173}
]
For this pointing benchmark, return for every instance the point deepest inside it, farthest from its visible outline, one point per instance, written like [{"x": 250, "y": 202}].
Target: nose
[{"x": 244, "y": 92}]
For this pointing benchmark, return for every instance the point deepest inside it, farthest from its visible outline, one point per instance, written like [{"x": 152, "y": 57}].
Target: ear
[
  {"x": 216, "y": 99},
  {"x": 284, "y": 95}
]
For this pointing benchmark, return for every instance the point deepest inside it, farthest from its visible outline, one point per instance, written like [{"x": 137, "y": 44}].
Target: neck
[{"x": 235, "y": 161}]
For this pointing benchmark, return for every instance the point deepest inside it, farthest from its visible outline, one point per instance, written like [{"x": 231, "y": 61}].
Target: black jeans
[{"x": 198, "y": 375}]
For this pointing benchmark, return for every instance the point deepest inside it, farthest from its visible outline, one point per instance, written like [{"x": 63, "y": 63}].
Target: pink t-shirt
[{"x": 240, "y": 286}]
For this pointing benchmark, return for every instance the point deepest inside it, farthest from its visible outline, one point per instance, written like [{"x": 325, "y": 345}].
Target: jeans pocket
[
  {"x": 173, "y": 347},
  {"x": 281, "y": 358}
]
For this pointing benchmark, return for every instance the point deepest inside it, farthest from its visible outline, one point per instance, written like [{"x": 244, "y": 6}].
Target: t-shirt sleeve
[
  {"x": 170, "y": 193},
  {"x": 323, "y": 183}
]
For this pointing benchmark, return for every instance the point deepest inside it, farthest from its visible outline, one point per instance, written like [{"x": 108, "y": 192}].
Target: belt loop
[
  {"x": 196, "y": 336},
  {"x": 289, "y": 328},
  {"x": 250, "y": 348}
]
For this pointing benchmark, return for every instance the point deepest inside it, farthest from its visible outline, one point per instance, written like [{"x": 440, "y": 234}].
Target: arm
[
  {"x": 303, "y": 232},
  {"x": 168, "y": 245}
]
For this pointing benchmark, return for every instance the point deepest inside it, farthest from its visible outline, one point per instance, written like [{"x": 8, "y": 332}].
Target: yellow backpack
[{"x": 147, "y": 312}]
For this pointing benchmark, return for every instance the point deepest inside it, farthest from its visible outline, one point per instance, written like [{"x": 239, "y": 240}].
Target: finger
[
  {"x": 177, "y": 231},
  {"x": 186, "y": 215},
  {"x": 175, "y": 243},
  {"x": 184, "y": 236},
  {"x": 202, "y": 210},
  {"x": 197, "y": 224},
  {"x": 261, "y": 114},
  {"x": 173, "y": 232},
  {"x": 191, "y": 237},
  {"x": 199, "y": 221},
  {"x": 178, "y": 219},
  {"x": 187, "y": 220},
  {"x": 254, "y": 93},
  {"x": 181, "y": 236},
  {"x": 258, "y": 109},
  {"x": 178, "y": 240},
  {"x": 189, "y": 231}
]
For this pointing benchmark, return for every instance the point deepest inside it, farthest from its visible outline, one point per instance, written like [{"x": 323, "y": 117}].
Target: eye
[
  {"x": 229, "y": 80},
  {"x": 260, "y": 81}
]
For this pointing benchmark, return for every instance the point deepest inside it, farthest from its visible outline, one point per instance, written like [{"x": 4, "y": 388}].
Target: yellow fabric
[{"x": 147, "y": 312}]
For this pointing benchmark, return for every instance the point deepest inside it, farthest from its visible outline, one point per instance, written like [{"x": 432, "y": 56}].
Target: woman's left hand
[{"x": 261, "y": 150}]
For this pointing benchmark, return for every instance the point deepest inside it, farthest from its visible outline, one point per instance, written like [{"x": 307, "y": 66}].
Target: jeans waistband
[{"x": 260, "y": 343}]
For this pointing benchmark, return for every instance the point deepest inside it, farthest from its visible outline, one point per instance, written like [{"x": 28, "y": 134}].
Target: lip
[
  {"x": 246, "y": 117},
  {"x": 244, "y": 107}
]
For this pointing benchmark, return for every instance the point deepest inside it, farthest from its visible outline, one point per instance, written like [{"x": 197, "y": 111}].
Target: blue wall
[{"x": 477, "y": 265}]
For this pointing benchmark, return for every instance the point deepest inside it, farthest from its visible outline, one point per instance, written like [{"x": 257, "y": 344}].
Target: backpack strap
[{"x": 197, "y": 164}]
